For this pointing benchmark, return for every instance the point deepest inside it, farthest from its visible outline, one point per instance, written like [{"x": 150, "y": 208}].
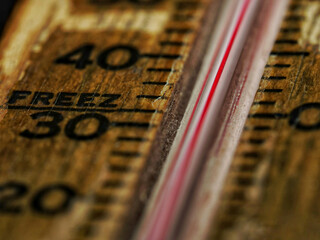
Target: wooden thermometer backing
[
  {"x": 89, "y": 91},
  {"x": 272, "y": 189}
]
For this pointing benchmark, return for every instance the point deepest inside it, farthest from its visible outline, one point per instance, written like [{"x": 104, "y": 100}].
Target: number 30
[{"x": 54, "y": 128}]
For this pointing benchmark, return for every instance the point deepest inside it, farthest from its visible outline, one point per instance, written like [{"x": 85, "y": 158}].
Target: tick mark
[
  {"x": 270, "y": 90},
  {"x": 294, "y": 18},
  {"x": 82, "y": 109},
  {"x": 244, "y": 181},
  {"x": 274, "y": 78},
  {"x": 268, "y": 115},
  {"x": 256, "y": 141},
  {"x": 119, "y": 168},
  {"x": 288, "y": 53},
  {"x": 289, "y": 30},
  {"x": 151, "y": 97},
  {"x": 246, "y": 167},
  {"x": 126, "y": 154},
  {"x": 105, "y": 199},
  {"x": 132, "y": 139},
  {"x": 172, "y": 43},
  {"x": 264, "y": 103},
  {"x": 286, "y": 41},
  {"x": 132, "y": 124},
  {"x": 182, "y": 18},
  {"x": 295, "y": 7},
  {"x": 179, "y": 30},
  {"x": 98, "y": 214},
  {"x": 168, "y": 56},
  {"x": 187, "y": 5},
  {"x": 110, "y": 183},
  {"x": 87, "y": 230},
  {"x": 278, "y": 66},
  {"x": 258, "y": 128},
  {"x": 237, "y": 195},
  {"x": 160, "y": 70},
  {"x": 250, "y": 155},
  {"x": 157, "y": 83}
]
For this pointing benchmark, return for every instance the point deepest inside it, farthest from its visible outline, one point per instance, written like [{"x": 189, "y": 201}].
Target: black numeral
[
  {"x": 294, "y": 119},
  {"x": 53, "y": 127},
  {"x": 70, "y": 129},
  {"x": 39, "y": 199},
  {"x": 72, "y": 124},
  {"x": 9, "y": 193},
  {"x": 81, "y": 57},
  {"x": 103, "y": 57}
]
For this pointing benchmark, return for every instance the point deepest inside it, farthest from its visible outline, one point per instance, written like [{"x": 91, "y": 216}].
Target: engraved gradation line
[
  {"x": 172, "y": 43},
  {"x": 79, "y": 109},
  {"x": 132, "y": 139},
  {"x": 160, "y": 55},
  {"x": 278, "y": 66},
  {"x": 157, "y": 83},
  {"x": 289, "y": 53}
]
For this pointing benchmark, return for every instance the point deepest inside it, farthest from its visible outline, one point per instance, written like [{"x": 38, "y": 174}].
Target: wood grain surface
[
  {"x": 272, "y": 188},
  {"x": 87, "y": 88}
]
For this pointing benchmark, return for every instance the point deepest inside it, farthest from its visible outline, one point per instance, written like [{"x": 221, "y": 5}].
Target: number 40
[{"x": 80, "y": 57}]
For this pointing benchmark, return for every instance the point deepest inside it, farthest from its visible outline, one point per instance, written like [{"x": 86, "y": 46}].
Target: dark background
[{"x": 6, "y": 7}]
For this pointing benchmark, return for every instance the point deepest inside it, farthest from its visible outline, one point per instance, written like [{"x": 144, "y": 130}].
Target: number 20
[{"x": 11, "y": 192}]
